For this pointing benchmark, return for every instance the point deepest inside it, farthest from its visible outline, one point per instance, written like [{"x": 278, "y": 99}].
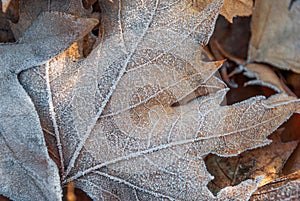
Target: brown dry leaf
[
  {"x": 230, "y": 9},
  {"x": 293, "y": 80},
  {"x": 267, "y": 161},
  {"x": 275, "y": 34},
  {"x": 292, "y": 132},
  {"x": 293, "y": 164},
  {"x": 27, "y": 172},
  {"x": 265, "y": 77},
  {"x": 285, "y": 188}
]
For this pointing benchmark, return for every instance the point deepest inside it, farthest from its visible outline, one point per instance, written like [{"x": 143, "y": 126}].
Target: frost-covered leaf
[
  {"x": 122, "y": 138},
  {"x": 265, "y": 77},
  {"x": 275, "y": 37},
  {"x": 285, "y": 188},
  {"x": 268, "y": 161},
  {"x": 31, "y": 9},
  {"x": 148, "y": 49},
  {"x": 27, "y": 172},
  {"x": 134, "y": 120},
  {"x": 155, "y": 148}
]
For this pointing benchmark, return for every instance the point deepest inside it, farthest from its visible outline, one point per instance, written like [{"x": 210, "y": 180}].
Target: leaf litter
[{"x": 113, "y": 113}]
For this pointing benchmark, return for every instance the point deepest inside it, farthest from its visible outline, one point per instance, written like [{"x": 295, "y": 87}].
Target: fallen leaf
[
  {"x": 275, "y": 37},
  {"x": 265, "y": 76},
  {"x": 285, "y": 188},
  {"x": 121, "y": 139},
  {"x": 293, "y": 163},
  {"x": 134, "y": 120},
  {"x": 27, "y": 172},
  {"x": 31, "y": 9},
  {"x": 267, "y": 161},
  {"x": 35, "y": 82},
  {"x": 292, "y": 132},
  {"x": 230, "y": 9},
  {"x": 293, "y": 80},
  {"x": 159, "y": 150}
]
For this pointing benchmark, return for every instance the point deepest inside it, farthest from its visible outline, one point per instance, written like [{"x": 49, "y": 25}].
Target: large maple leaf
[{"x": 121, "y": 129}]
